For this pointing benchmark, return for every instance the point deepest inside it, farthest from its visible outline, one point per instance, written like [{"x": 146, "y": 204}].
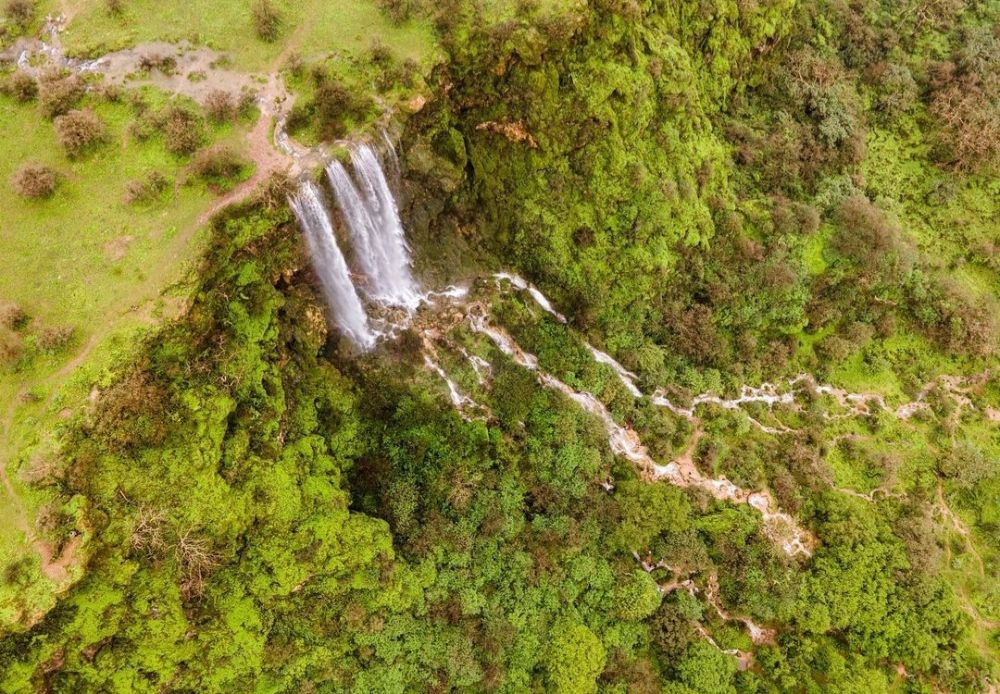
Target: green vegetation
[
  {"x": 91, "y": 269},
  {"x": 208, "y": 494},
  {"x": 311, "y": 28}
]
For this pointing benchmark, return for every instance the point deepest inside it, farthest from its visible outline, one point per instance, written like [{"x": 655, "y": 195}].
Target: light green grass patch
[
  {"x": 83, "y": 258},
  {"x": 310, "y": 27}
]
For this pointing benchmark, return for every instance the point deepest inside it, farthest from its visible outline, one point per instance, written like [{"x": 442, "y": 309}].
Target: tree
[
  {"x": 636, "y": 596},
  {"x": 707, "y": 670},
  {"x": 575, "y": 658}
]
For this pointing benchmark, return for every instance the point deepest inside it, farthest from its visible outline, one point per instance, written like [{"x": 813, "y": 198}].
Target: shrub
[
  {"x": 334, "y": 103},
  {"x": 275, "y": 189},
  {"x": 246, "y": 103},
  {"x": 220, "y": 106},
  {"x": 110, "y": 92},
  {"x": 116, "y": 8},
  {"x": 397, "y": 10},
  {"x": 870, "y": 240},
  {"x": 22, "y": 86},
  {"x": 896, "y": 90},
  {"x": 146, "y": 189},
  {"x": 181, "y": 130},
  {"x": 218, "y": 166},
  {"x": 952, "y": 316},
  {"x": 137, "y": 102},
  {"x": 20, "y": 12},
  {"x": 35, "y": 181},
  {"x": 58, "y": 94},
  {"x": 80, "y": 131},
  {"x": 55, "y": 338},
  {"x": 833, "y": 349},
  {"x": 266, "y": 20},
  {"x": 970, "y": 125},
  {"x": 295, "y": 64},
  {"x": 11, "y": 349},
  {"x": 154, "y": 61},
  {"x": 12, "y": 317}
]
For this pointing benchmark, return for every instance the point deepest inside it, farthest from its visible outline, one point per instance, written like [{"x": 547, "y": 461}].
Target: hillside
[{"x": 536, "y": 346}]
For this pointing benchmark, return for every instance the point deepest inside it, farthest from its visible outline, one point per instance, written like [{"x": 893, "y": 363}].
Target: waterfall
[
  {"x": 341, "y": 297},
  {"x": 375, "y": 229}
]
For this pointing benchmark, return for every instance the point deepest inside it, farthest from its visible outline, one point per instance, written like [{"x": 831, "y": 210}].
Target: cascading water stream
[
  {"x": 375, "y": 229},
  {"x": 331, "y": 268}
]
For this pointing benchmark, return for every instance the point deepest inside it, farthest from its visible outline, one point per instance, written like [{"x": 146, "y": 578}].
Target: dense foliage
[{"x": 716, "y": 193}]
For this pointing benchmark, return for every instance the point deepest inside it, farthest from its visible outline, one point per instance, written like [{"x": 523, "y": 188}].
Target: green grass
[
  {"x": 63, "y": 269},
  {"x": 310, "y": 27}
]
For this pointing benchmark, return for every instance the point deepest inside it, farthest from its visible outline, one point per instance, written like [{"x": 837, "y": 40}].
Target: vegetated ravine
[{"x": 381, "y": 299}]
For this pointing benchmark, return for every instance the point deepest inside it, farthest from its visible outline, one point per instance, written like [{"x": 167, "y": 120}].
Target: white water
[
  {"x": 524, "y": 285},
  {"x": 460, "y": 400},
  {"x": 780, "y": 526},
  {"x": 331, "y": 268},
  {"x": 375, "y": 229}
]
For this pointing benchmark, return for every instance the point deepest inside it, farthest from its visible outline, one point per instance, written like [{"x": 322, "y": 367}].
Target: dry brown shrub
[
  {"x": 970, "y": 124},
  {"x": 149, "y": 532},
  {"x": 11, "y": 348},
  {"x": 35, "y": 181},
  {"x": 181, "y": 130},
  {"x": 196, "y": 559},
  {"x": 22, "y": 86},
  {"x": 55, "y": 338},
  {"x": 80, "y": 131},
  {"x": 218, "y": 166},
  {"x": 20, "y": 12},
  {"x": 274, "y": 191},
  {"x": 12, "y": 316},
  {"x": 220, "y": 106},
  {"x": 266, "y": 20},
  {"x": 147, "y": 189},
  {"x": 57, "y": 94}
]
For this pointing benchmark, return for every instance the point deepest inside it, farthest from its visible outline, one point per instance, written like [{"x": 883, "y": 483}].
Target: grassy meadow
[
  {"x": 86, "y": 261},
  {"x": 308, "y": 28}
]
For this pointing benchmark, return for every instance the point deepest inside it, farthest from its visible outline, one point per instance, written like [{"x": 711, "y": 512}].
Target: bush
[
  {"x": 167, "y": 64},
  {"x": 146, "y": 189},
  {"x": 334, "y": 103},
  {"x": 35, "y": 181},
  {"x": 295, "y": 65},
  {"x": 218, "y": 166},
  {"x": 20, "y": 12},
  {"x": 397, "y": 10},
  {"x": 22, "y": 86},
  {"x": 110, "y": 92},
  {"x": 246, "y": 103},
  {"x": 873, "y": 242},
  {"x": 220, "y": 106},
  {"x": 11, "y": 349},
  {"x": 53, "y": 339},
  {"x": 266, "y": 20},
  {"x": 80, "y": 131},
  {"x": 274, "y": 191},
  {"x": 12, "y": 317},
  {"x": 181, "y": 130},
  {"x": 116, "y": 8},
  {"x": 58, "y": 94}
]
